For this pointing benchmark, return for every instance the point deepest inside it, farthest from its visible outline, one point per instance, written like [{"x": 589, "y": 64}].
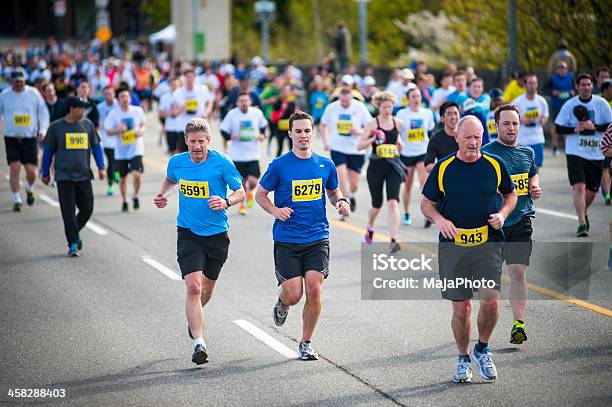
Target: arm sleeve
[
  {"x": 332, "y": 179},
  {"x": 271, "y": 178},
  {"x": 533, "y": 170},
  {"x": 46, "y": 161},
  {"x": 564, "y": 130},
  {"x": 506, "y": 185},
  {"x": 430, "y": 156},
  {"x": 231, "y": 176},
  {"x": 601, "y": 127},
  {"x": 431, "y": 190},
  {"x": 98, "y": 155},
  {"x": 170, "y": 171}
]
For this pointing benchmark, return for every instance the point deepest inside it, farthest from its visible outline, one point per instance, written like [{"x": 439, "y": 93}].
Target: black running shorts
[
  {"x": 295, "y": 259},
  {"x": 201, "y": 253}
]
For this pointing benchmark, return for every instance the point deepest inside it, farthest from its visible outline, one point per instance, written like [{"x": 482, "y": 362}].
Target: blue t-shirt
[
  {"x": 466, "y": 193},
  {"x": 300, "y": 184},
  {"x": 520, "y": 161},
  {"x": 456, "y": 95},
  {"x": 564, "y": 84},
  {"x": 198, "y": 182},
  {"x": 318, "y": 101}
]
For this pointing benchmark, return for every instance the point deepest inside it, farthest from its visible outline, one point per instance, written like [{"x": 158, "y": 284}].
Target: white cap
[
  {"x": 406, "y": 73},
  {"x": 347, "y": 79},
  {"x": 369, "y": 81},
  {"x": 256, "y": 60}
]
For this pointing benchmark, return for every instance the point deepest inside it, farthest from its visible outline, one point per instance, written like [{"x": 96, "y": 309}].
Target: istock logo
[{"x": 384, "y": 262}]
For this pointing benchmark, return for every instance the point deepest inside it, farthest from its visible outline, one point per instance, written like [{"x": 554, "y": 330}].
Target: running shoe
[
  {"x": 306, "y": 351},
  {"x": 406, "y": 220},
  {"x": 394, "y": 247},
  {"x": 518, "y": 334},
  {"x": 17, "y": 207},
  {"x": 73, "y": 250},
  {"x": 464, "y": 371},
  {"x": 607, "y": 200},
  {"x": 109, "y": 190},
  {"x": 250, "y": 201},
  {"x": 135, "y": 203},
  {"x": 243, "y": 209},
  {"x": 369, "y": 236},
  {"x": 485, "y": 364},
  {"x": 30, "y": 199},
  {"x": 199, "y": 356},
  {"x": 124, "y": 207},
  {"x": 583, "y": 231},
  {"x": 79, "y": 244},
  {"x": 279, "y": 313},
  {"x": 353, "y": 204}
]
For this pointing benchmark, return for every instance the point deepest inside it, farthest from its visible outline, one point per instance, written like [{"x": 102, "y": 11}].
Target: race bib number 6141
[{"x": 307, "y": 189}]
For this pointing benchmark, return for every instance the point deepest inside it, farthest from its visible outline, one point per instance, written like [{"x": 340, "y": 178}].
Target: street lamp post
[
  {"x": 264, "y": 12},
  {"x": 363, "y": 31}
]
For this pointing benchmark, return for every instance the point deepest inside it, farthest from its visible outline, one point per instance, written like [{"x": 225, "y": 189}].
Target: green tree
[{"x": 157, "y": 13}]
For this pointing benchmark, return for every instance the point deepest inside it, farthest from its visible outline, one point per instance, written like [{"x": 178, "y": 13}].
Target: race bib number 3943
[
  {"x": 588, "y": 143},
  {"x": 194, "y": 189},
  {"x": 77, "y": 141},
  {"x": 307, "y": 189},
  {"x": 521, "y": 183},
  {"x": 471, "y": 237}
]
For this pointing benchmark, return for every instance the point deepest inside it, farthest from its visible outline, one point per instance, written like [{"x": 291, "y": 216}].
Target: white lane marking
[
  {"x": 96, "y": 228},
  {"x": 90, "y": 225},
  {"x": 49, "y": 200},
  {"x": 266, "y": 339},
  {"x": 555, "y": 213},
  {"x": 161, "y": 268}
]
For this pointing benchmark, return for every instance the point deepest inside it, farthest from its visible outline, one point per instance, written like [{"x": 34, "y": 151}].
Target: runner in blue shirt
[
  {"x": 299, "y": 179},
  {"x": 203, "y": 176},
  {"x": 520, "y": 161},
  {"x": 460, "y": 197}
]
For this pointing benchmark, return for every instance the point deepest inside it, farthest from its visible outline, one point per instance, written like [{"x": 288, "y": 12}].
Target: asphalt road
[{"x": 109, "y": 328}]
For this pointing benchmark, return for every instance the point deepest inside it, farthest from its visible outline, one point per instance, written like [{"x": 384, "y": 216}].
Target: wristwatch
[
  {"x": 227, "y": 201},
  {"x": 344, "y": 199}
]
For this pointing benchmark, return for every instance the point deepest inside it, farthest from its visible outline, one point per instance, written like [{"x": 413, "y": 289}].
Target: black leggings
[
  {"x": 73, "y": 194},
  {"x": 280, "y": 139},
  {"x": 110, "y": 166},
  {"x": 381, "y": 172}
]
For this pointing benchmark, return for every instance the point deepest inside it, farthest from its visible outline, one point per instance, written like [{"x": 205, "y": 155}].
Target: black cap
[
  {"x": 496, "y": 93},
  {"x": 17, "y": 74},
  {"x": 73, "y": 101}
]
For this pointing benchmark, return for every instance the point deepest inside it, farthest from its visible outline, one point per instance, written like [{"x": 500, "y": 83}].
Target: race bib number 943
[
  {"x": 471, "y": 237},
  {"x": 521, "y": 183},
  {"x": 77, "y": 141},
  {"x": 307, "y": 189},
  {"x": 194, "y": 189}
]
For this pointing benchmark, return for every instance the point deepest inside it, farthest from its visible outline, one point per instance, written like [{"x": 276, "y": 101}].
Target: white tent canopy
[{"x": 167, "y": 35}]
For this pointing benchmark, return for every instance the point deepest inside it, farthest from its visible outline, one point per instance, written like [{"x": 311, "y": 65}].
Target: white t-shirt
[
  {"x": 128, "y": 146},
  {"x": 248, "y": 127},
  {"x": 340, "y": 120},
  {"x": 209, "y": 80},
  {"x": 24, "y": 113},
  {"x": 165, "y": 105},
  {"x": 414, "y": 132},
  {"x": 585, "y": 146},
  {"x": 103, "y": 110},
  {"x": 400, "y": 89},
  {"x": 194, "y": 101},
  {"x": 534, "y": 109}
]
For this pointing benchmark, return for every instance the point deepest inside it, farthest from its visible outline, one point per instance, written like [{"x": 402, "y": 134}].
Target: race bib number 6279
[{"x": 307, "y": 189}]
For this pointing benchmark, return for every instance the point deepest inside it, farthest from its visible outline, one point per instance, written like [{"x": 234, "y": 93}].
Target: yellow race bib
[
  {"x": 472, "y": 237},
  {"x": 21, "y": 120},
  {"x": 191, "y": 105},
  {"x": 194, "y": 189},
  {"x": 521, "y": 183},
  {"x": 386, "y": 151},
  {"x": 128, "y": 137},
  {"x": 344, "y": 127},
  {"x": 404, "y": 100},
  {"x": 532, "y": 114},
  {"x": 307, "y": 189},
  {"x": 415, "y": 135},
  {"x": 491, "y": 127},
  {"x": 283, "y": 124},
  {"x": 77, "y": 141}
]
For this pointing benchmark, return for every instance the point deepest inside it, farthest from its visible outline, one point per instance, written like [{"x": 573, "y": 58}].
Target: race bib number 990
[
  {"x": 77, "y": 141},
  {"x": 471, "y": 237},
  {"x": 307, "y": 189},
  {"x": 21, "y": 120},
  {"x": 521, "y": 183},
  {"x": 194, "y": 189}
]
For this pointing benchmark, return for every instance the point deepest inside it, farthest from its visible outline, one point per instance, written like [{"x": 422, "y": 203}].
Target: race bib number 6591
[
  {"x": 194, "y": 189},
  {"x": 307, "y": 189}
]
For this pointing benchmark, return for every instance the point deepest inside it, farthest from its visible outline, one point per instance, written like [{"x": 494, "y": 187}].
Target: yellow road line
[{"x": 533, "y": 287}]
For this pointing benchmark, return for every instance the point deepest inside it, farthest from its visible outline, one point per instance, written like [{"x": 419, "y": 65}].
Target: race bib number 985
[
  {"x": 521, "y": 183},
  {"x": 307, "y": 189},
  {"x": 194, "y": 189},
  {"x": 471, "y": 237},
  {"x": 77, "y": 141}
]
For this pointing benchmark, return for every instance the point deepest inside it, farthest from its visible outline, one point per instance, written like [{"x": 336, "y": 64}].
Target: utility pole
[
  {"x": 264, "y": 12},
  {"x": 512, "y": 62},
  {"x": 363, "y": 32}
]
